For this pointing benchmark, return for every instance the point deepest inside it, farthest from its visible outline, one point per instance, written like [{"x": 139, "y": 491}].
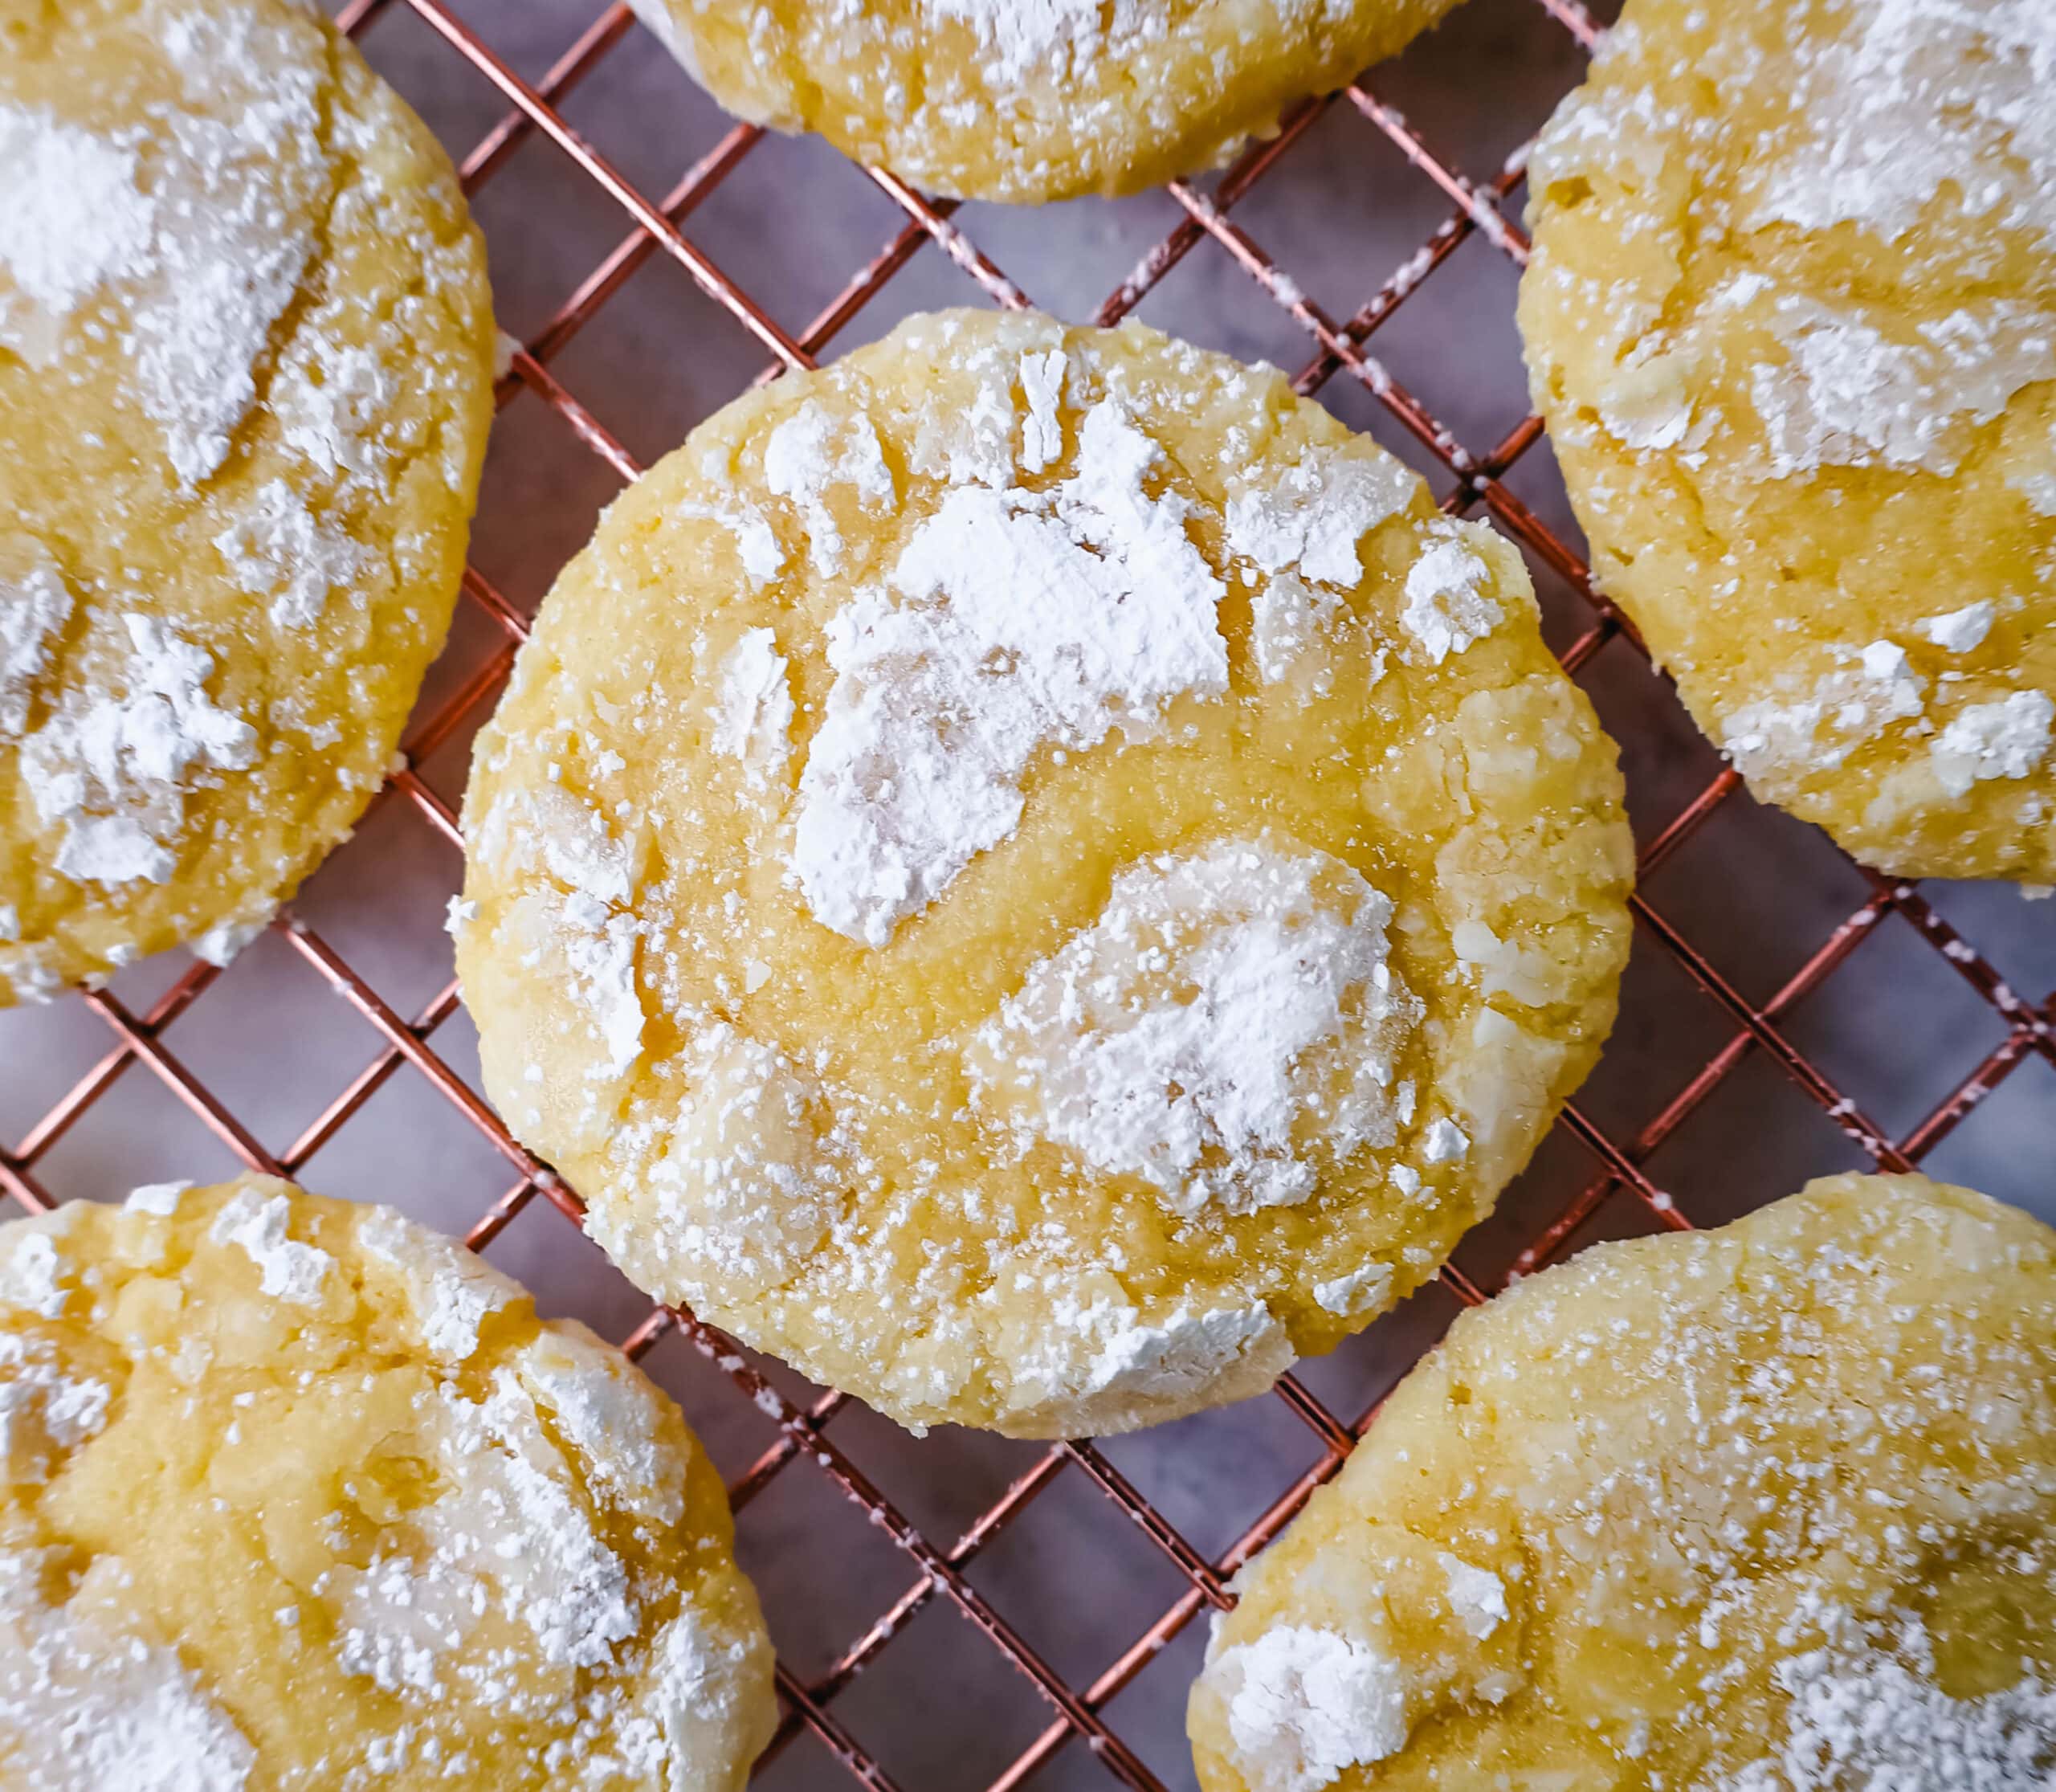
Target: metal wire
[{"x": 806, "y": 1444}]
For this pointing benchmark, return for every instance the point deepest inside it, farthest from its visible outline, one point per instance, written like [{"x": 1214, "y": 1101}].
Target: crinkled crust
[
  {"x": 802, "y": 1135},
  {"x": 262, "y": 1451},
  {"x": 1106, "y": 100},
  {"x": 1787, "y": 319},
  {"x": 1660, "y": 1515},
  {"x": 372, "y": 400}
]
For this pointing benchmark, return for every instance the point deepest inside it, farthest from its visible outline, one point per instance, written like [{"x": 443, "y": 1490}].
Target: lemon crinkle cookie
[
  {"x": 1771, "y": 1509},
  {"x": 245, "y": 350},
  {"x": 1031, "y": 100},
  {"x": 1789, "y": 320},
  {"x": 299, "y": 1494},
  {"x": 1034, "y": 875}
]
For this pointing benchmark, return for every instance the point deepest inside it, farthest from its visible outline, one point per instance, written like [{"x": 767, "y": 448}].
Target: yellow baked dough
[
  {"x": 1767, "y": 1509},
  {"x": 1046, "y": 100},
  {"x": 299, "y": 1496},
  {"x": 1034, "y": 874},
  {"x": 1789, "y": 319},
  {"x": 245, "y": 381}
]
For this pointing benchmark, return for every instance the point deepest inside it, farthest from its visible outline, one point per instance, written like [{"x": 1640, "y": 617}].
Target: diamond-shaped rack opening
[{"x": 1905, "y": 986}]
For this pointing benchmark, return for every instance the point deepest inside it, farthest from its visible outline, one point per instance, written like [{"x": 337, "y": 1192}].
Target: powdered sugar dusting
[
  {"x": 1287, "y": 618},
  {"x": 698, "y": 1686},
  {"x": 454, "y": 1292},
  {"x": 185, "y": 224},
  {"x": 808, "y": 454},
  {"x": 1444, "y": 1143},
  {"x": 1313, "y": 517},
  {"x": 1026, "y": 619},
  {"x": 292, "y": 1272},
  {"x": 158, "y": 1198},
  {"x": 29, "y": 1276},
  {"x": 278, "y": 549},
  {"x": 221, "y": 945},
  {"x": 113, "y": 768},
  {"x": 1448, "y": 607},
  {"x": 71, "y": 217},
  {"x": 83, "y": 1706},
  {"x": 2006, "y": 739},
  {"x": 1041, "y": 431},
  {"x": 1865, "y": 1714},
  {"x": 1859, "y": 391},
  {"x": 752, "y": 709},
  {"x": 1226, "y": 1011},
  {"x": 1305, "y": 1705},
  {"x": 508, "y": 1532},
  {"x": 43, "y": 1412},
  {"x": 397, "y": 1618},
  {"x": 758, "y": 545},
  {"x": 34, "y": 609},
  {"x": 1476, "y": 1595},
  {"x": 512, "y": 1520},
  {"x": 586, "y": 926},
  {"x": 1961, "y": 631},
  {"x": 1360, "y": 1291},
  {"x": 1108, "y": 1367},
  {"x": 1910, "y": 96},
  {"x": 221, "y": 269},
  {"x": 608, "y": 1413},
  {"x": 1051, "y": 40},
  {"x": 1839, "y": 711},
  {"x": 597, "y": 945},
  {"x": 744, "y": 1187}
]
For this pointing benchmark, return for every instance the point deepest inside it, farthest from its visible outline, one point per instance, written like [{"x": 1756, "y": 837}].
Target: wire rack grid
[{"x": 1702, "y": 1034}]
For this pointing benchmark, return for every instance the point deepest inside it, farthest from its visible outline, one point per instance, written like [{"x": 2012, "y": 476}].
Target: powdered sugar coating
[
  {"x": 454, "y": 1292},
  {"x": 1788, "y": 320},
  {"x": 1867, "y": 1711},
  {"x": 1105, "y": 1368},
  {"x": 1029, "y": 100},
  {"x": 1311, "y": 517},
  {"x": 113, "y": 770},
  {"x": 753, "y": 713},
  {"x": 34, "y": 609},
  {"x": 1771, "y": 1509},
  {"x": 1066, "y": 1036},
  {"x": 1447, "y": 607},
  {"x": 2008, "y": 739},
  {"x": 43, "y": 1412},
  {"x": 241, "y": 414},
  {"x": 470, "y": 1565},
  {"x": 83, "y": 1705},
  {"x": 1219, "y": 1006},
  {"x": 291, "y": 1271},
  {"x": 1016, "y": 622},
  {"x": 1961, "y": 631},
  {"x": 1304, "y": 1704}
]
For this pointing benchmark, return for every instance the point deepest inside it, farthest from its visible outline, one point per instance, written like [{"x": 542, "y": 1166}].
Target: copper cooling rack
[{"x": 976, "y": 1634}]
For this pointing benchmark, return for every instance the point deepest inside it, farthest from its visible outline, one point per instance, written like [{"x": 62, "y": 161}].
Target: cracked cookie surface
[
  {"x": 1789, "y": 319},
  {"x": 1771, "y": 1509},
  {"x": 298, "y": 1497},
  {"x": 1034, "y": 875},
  {"x": 997, "y": 100},
  {"x": 245, "y": 381}
]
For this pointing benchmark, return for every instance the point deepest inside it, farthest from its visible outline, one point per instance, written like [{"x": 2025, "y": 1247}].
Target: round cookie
[
  {"x": 245, "y": 381},
  {"x": 1771, "y": 1509},
  {"x": 1002, "y": 99},
  {"x": 1034, "y": 875},
  {"x": 1788, "y": 320},
  {"x": 298, "y": 1495}
]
